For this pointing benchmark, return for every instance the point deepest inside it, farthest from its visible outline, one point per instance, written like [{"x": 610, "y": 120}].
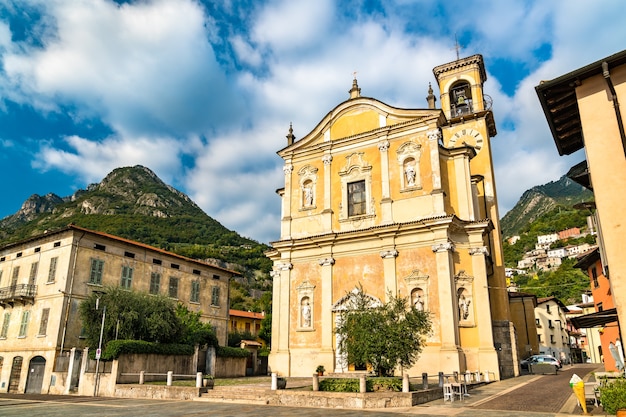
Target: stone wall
[{"x": 230, "y": 367}]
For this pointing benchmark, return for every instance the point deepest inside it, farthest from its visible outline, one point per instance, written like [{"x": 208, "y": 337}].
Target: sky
[{"x": 203, "y": 92}]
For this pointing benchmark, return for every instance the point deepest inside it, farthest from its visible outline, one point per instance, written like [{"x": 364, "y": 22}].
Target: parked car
[{"x": 540, "y": 359}]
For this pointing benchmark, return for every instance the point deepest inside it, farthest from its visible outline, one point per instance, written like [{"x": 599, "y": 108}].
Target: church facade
[{"x": 402, "y": 202}]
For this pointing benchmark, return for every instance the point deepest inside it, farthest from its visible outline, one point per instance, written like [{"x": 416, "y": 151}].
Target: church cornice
[
  {"x": 460, "y": 63},
  {"x": 376, "y": 232}
]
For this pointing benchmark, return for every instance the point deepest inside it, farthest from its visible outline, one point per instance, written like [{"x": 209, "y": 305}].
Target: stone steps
[{"x": 247, "y": 395}]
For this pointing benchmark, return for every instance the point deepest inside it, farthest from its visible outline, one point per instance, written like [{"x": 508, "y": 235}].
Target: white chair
[
  {"x": 457, "y": 389},
  {"x": 447, "y": 392}
]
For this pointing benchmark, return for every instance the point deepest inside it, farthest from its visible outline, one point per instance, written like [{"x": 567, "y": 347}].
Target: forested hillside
[{"x": 133, "y": 203}]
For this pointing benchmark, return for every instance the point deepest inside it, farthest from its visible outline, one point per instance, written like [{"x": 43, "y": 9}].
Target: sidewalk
[{"x": 503, "y": 390}]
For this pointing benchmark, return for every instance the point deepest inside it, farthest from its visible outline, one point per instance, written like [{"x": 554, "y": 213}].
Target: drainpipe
[
  {"x": 69, "y": 295},
  {"x": 618, "y": 115}
]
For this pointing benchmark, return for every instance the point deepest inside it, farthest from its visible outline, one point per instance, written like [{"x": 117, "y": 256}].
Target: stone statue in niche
[
  {"x": 409, "y": 171},
  {"x": 306, "y": 314},
  {"x": 418, "y": 300},
  {"x": 419, "y": 303},
  {"x": 464, "y": 304},
  {"x": 308, "y": 195}
]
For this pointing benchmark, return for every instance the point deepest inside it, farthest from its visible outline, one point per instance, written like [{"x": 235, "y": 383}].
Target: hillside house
[{"x": 551, "y": 324}]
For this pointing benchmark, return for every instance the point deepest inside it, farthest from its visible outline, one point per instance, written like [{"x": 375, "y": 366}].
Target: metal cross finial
[
  {"x": 457, "y": 47},
  {"x": 354, "y": 74}
]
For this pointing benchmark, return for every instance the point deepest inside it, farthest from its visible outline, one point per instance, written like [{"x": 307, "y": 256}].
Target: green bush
[
  {"x": 613, "y": 395},
  {"x": 117, "y": 347},
  {"x": 353, "y": 385},
  {"x": 231, "y": 352}
]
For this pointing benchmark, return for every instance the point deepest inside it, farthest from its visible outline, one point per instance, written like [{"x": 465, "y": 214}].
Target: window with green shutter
[
  {"x": 52, "y": 271},
  {"x": 215, "y": 296},
  {"x": 195, "y": 292},
  {"x": 24, "y": 323},
  {"x": 95, "y": 276},
  {"x": 127, "y": 277},
  {"x": 5, "y": 325},
  {"x": 173, "y": 290},
  {"x": 43, "y": 325}
]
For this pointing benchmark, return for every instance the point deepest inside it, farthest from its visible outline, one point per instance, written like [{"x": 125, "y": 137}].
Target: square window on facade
[
  {"x": 155, "y": 283},
  {"x": 356, "y": 198}
]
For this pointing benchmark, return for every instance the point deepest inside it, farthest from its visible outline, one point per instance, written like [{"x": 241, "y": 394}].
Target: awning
[{"x": 597, "y": 319}]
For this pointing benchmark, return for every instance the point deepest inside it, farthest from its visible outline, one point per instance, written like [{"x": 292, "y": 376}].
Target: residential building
[
  {"x": 568, "y": 233},
  {"x": 245, "y": 322},
  {"x": 522, "y": 307},
  {"x": 598, "y": 310},
  {"x": 551, "y": 325},
  {"x": 397, "y": 202},
  {"x": 583, "y": 112},
  {"x": 547, "y": 239},
  {"x": 43, "y": 280}
]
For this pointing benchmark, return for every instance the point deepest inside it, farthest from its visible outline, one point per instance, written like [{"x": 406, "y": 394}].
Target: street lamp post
[{"x": 99, "y": 351}]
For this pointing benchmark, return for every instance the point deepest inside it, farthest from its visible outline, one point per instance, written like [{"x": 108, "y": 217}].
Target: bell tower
[{"x": 470, "y": 123}]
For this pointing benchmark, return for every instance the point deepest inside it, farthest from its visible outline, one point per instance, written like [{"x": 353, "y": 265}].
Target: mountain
[
  {"x": 540, "y": 200},
  {"x": 133, "y": 203}
]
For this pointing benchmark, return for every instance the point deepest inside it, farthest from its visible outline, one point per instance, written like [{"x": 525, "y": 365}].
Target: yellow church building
[{"x": 401, "y": 202}]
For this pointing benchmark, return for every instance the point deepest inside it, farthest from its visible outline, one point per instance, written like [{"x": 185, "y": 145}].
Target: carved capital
[
  {"x": 443, "y": 247},
  {"x": 386, "y": 254},
  {"x": 481, "y": 250},
  {"x": 326, "y": 159},
  {"x": 326, "y": 261},
  {"x": 287, "y": 169},
  {"x": 434, "y": 135},
  {"x": 383, "y": 146},
  {"x": 284, "y": 266}
]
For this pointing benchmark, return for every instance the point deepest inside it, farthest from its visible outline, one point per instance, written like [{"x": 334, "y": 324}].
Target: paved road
[{"x": 528, "y": 395}]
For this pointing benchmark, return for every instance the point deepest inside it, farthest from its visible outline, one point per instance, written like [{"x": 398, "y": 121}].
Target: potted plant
[
  {"x": 320, "y": 370},
  {"x": 207, "y": 381},
  {"x": 613, "y": 396}
]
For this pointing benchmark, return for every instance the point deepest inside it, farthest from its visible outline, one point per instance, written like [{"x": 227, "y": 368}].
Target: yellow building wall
[{"x": 607, "y": 167}]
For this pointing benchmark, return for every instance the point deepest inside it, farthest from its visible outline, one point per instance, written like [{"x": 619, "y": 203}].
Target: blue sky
[{"x": 203, "y": 92}]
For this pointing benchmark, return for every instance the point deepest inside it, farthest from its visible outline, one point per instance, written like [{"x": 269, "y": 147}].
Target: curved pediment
[{"x": 356, "y": 117}]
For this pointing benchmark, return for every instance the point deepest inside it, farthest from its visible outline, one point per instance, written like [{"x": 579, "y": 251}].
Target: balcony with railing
[{"x": 18, "y": 294}]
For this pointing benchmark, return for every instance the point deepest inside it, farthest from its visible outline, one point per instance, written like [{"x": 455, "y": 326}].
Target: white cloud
[
  {"x": 93, "y": 160},
  {"x": 293, "y": 25},
  {"x": 149, "y": 71},
  {"x": 142, "y": 67}
]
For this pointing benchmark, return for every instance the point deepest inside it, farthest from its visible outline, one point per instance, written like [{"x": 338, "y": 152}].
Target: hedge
[
  {"x": 231, "y": 352},
  {"x": 353, "y": 385},
  {"x": 117, "y": 347}
]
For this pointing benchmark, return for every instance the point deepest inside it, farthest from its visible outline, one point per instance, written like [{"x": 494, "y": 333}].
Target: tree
[
  {"x": 133, "y": 315},
  {"x": 385, "y": 336},
  {"x": 130, "y": 315},
  {"x": 194, "y": 332}
]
